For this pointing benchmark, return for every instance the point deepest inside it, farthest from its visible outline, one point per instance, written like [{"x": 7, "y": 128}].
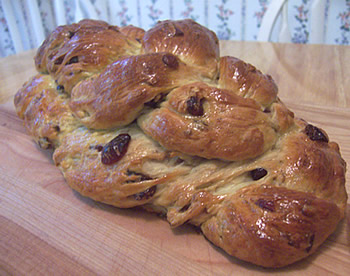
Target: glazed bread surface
[{"x": 158, "y": 119}]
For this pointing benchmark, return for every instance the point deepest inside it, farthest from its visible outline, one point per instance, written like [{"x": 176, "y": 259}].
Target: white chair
[
  {"x": 82, "y": 9},
  {"x": 28, "y": 32},
  {"x": 23, "y": 40},
  {"x": 15, "y": 24},
  {"x": 280, "y": 7},
  {"x": 60, "y": 14}
]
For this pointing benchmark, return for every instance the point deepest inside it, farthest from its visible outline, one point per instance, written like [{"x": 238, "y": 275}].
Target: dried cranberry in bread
[{"x": 157, "y": 119}]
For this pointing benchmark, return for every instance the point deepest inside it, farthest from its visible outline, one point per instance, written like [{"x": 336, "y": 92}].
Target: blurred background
[{"x": 24, "y": 24}]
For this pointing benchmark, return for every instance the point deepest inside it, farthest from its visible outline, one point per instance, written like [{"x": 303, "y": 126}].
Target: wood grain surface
[{"x": 48, "y": 229}]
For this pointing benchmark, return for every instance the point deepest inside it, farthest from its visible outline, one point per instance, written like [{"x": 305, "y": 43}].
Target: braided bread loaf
[{"x": 157, "y": 119}]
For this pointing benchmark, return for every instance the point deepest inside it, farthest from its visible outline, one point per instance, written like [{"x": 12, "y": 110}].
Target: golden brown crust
[
  {"x": 191, "y": 42},
  {"x": 79, "y": 157},
  {"x": 246, "y": 81},
  {"x": 314, "y": 167},
  {"x": 133, "y": 32},
  {"x": 272, "y": 226},
  {"x": 224, "y": 153},
  {"x": 74, "y": 52},
  {"x": 29, "y": 90},
  {"x": 229, "y": 127},
  {"x": 117, "y": 95},
  {"x": 44, "y": 111}
]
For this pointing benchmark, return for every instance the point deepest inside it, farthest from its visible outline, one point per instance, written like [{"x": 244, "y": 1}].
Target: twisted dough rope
[{"x": 157, "y": 119}]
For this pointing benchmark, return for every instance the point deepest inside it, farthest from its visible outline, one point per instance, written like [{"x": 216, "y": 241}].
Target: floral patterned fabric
[{"x": 230, "y": 19}]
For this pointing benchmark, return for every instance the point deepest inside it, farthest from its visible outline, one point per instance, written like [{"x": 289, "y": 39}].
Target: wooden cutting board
[{"x": 47, "y": 228}]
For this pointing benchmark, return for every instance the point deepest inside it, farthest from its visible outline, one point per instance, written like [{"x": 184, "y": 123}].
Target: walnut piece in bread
[{"x": 158, "y": 119}]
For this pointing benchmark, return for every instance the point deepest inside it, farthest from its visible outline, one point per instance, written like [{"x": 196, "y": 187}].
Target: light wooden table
[{"x": 46, "y": 228}]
